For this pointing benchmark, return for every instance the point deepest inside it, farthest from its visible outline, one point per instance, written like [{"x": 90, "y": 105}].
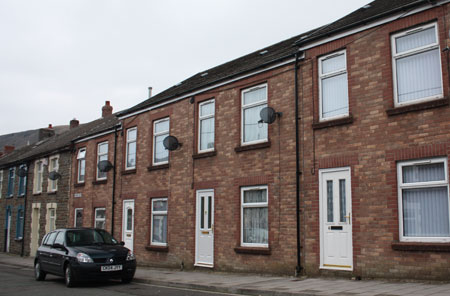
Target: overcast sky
[{"x": 62, "y": 59}]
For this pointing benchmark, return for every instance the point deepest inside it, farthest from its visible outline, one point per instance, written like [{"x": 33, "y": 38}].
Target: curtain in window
[
  {"x": 161, "y": 153},
  {"x": 424, "y": 173},
  {"x": 334, "y": 96},
  {"x": 253, "y": 130},
  {"x": 256, "y": 95},
  {"x": 255, "y": 219},
  {"x": 159, "y": 229},
  {"x": 425, "y": 212},
  {"x": 207, "y": 134}
]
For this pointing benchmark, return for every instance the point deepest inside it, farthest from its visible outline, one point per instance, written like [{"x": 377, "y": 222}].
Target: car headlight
[
  {"x": 84, "y": 258},
  {"x": 130, "y": 256}
]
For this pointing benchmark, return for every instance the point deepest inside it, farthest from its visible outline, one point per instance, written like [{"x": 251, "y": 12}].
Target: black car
[{"x": 83, "y": 254}]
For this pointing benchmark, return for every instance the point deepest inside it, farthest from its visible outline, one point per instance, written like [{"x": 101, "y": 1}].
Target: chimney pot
[
  {"x": 107, "y": 109},
  {"x": 74, "y": 123},
  {"x": 50, "y": 125},
  {"x": 150, "y": 92}
]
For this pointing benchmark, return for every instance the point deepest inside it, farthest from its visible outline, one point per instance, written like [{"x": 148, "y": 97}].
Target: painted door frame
[
  {"x": 34, "y": 235},
  {"x": 199, "y": 232},
  {"x": 8, "y": 229},
  {"x": 323, "y": 215},
  {"x": 124, "y": 223}
]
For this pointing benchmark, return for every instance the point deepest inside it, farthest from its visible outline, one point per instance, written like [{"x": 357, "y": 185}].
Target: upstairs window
[
  {"x": 53, "y": 166},
  {"x": 424, "y": 200},
  {"x": 253, "y": 100},
  {"x": 81, "y": 160},
  {"x": 131, "y": 149},
  {"x": 22, "y": 181},
  {"x": 11, "y": 177},
  {"x": 333, "y": 86},
  {"x": 206, "y": 126},
  {"x": 160, "y": 132},
  {"x": 38, "y": 176},
  {"x": 102, "y": 154},
  {"x": 416, "y": 61}
]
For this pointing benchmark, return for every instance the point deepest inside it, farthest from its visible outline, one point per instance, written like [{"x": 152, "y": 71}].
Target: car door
[
  {"x": 58, "y": 252},
  {"x": 44, "y": 251}
]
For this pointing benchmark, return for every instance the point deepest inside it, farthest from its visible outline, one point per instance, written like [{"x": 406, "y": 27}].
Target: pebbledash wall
[
  {"x": 225, "y": 169},
  {"x": 374, "y": 140}
]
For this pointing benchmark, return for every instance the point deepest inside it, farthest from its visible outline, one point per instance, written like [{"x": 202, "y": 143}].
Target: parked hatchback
[{"x": 83, "y": 254}]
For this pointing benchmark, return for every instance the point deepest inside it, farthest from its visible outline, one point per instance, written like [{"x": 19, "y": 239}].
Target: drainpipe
[
  {"x": 299, "y": 268},
  {"x": 22, "y": 251},
  {"x": 114, "y": 181}
]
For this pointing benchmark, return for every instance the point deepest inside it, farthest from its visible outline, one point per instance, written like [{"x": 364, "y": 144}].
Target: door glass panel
[
  {"x": 129, "y": 219},
  {"x": 202, "y": 211},
  {"x": 330, "y": 201},
  {"x": 342, "y": 200},
  {"x": 209, "y": 212}
]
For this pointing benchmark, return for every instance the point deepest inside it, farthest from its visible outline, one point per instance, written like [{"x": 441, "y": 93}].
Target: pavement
[{"x": 262, "y": 285}]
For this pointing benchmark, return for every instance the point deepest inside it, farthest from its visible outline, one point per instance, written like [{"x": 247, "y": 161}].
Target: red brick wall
[{"x": 371, "y": 145}]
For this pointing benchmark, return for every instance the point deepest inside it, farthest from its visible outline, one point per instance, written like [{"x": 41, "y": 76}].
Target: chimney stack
[
  {"x": 150, "y": 92},
  {"x": 107, "y": 109},
  {"x": 50, "y": 125},
  {"x": 74, "y": 123},
  {"x": 8, "y": 149}
]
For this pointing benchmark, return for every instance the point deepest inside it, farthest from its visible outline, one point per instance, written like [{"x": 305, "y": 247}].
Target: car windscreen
[{"x": 86, "y": 237}]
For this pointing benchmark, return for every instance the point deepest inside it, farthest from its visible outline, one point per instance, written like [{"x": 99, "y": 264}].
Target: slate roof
[
  {"x": 366, "y": 14},
  {"x": 60, "y": 142}
]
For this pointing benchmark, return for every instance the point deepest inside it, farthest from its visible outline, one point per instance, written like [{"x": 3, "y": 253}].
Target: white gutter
[
  {"x": 372, "y": 25},
  {"x": 96, "y": 135},
  {"x": 206, "y": 89}
]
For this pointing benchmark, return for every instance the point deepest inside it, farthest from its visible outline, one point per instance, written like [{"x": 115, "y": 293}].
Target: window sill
[
  {"x": 157, "y": 248},
  {"x": 418, "y": 107},
  {"x": 37, "y": 194},
  {"x": 19, "y": 239},
  {"x": 252, "y": 147},
  {"x": 421, "y": 247},
  {"x": 253, "y": 251},
  {"x": 98, "y": 182},
  {"x": 333, "y": 122},
  {"x": 78, "y": 185},
  {"x": 128, "y": 172},
  {"x": 52, "y": 192},
  {"x": 158, "y": 167},
  {"x": 204, "y": 154}
]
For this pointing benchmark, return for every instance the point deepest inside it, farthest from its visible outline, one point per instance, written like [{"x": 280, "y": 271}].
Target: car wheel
[
  {"x": 127, "y": 280},
  {"x": 39, "y": 275},
  {"x": 68, "y": 276}
]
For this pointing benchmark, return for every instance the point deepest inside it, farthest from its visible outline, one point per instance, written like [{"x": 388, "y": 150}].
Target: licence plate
[{"x": 111, "y": 267}]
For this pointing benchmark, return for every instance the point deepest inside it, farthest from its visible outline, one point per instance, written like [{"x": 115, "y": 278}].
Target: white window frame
[
  {"x": 99, "y": 219},
  {"x": 248, "y": 106},
  {"x": 416, "y": 185},
  {"x": 38, "y": 175},
  {"x": 200, "y": 119},
  {"x": 154, "y": 139},
  {"x": 50, "y": 169},
  {"x": 126, "y": 148},
  {"x": 411, "y": 52},
  {"x": 75, "y": 216},
  {"x": 49, "y": 218},
  {"x": 254, "y": 205},
  {"x": 81, "y": 157},
  {"x": 329, "y": 75},
  {"x": 1, "y": 183},
  {"x": 98, "y": 159},
  {"x": 13, "y": 170},
  {"x": 159, "y": 213}
]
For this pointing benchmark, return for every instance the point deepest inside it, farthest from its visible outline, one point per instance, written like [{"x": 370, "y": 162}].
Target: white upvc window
[
  {"x": 100, "y": 218},
  {"x": 81, "y": 160},
  {"x": 416, "y": 65},
  {"x": 160, "y": 132},
  {"x": 1, "y": 183},
  {"x": 38, "y": 176},
  {"x": 254, "y": 99},
  {"x": 254, "y": 216},
  {"x": 53, "y": 165},
  {"x": 159, "y": 222},
  {"x": 102, "y": 154},
  {"x": 51, "y": 217},
  {"x": 333, "y": 86},
  {"x": 78, "y": 217},
  {"x": 206, "y": 126},
  {"x": 130, "y": 162},
  {"x": 423, "y": 200}
]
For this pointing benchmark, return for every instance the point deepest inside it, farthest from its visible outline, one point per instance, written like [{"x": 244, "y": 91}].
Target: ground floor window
[
  {"x": 100, "y": 218},
  {"x": 159, "y": 222},
  {"x": 254, "y": 216},
  {"x": 424, "y": 200},
  {"x": 78, "y": 217},
  {"x": 19, "y": 225}
]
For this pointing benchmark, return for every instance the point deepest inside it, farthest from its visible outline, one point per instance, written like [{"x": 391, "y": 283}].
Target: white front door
[
  {"x": 8, "y": 229},
  {"x": 128, "y": 223},
  {"x": 336, "y": 250},
  {"x": 204, "y": 246}
]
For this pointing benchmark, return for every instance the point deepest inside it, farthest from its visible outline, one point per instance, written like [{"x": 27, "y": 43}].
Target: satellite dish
[
  {"x": 22, "y": 172},
  {"x": 54, "y": 175},
  {"x": 171, "y": 143},
  {"x": 268, "y": 115},
  {"x": 105, "y": 166}
]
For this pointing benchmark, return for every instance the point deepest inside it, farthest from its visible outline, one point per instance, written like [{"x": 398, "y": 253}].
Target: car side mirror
[
  {"x": 59, "y": 246},
  {"x": 122, "y": 243}
]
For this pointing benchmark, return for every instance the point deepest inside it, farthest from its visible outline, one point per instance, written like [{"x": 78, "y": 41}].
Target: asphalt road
[{"x": 20, "y": 281}]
